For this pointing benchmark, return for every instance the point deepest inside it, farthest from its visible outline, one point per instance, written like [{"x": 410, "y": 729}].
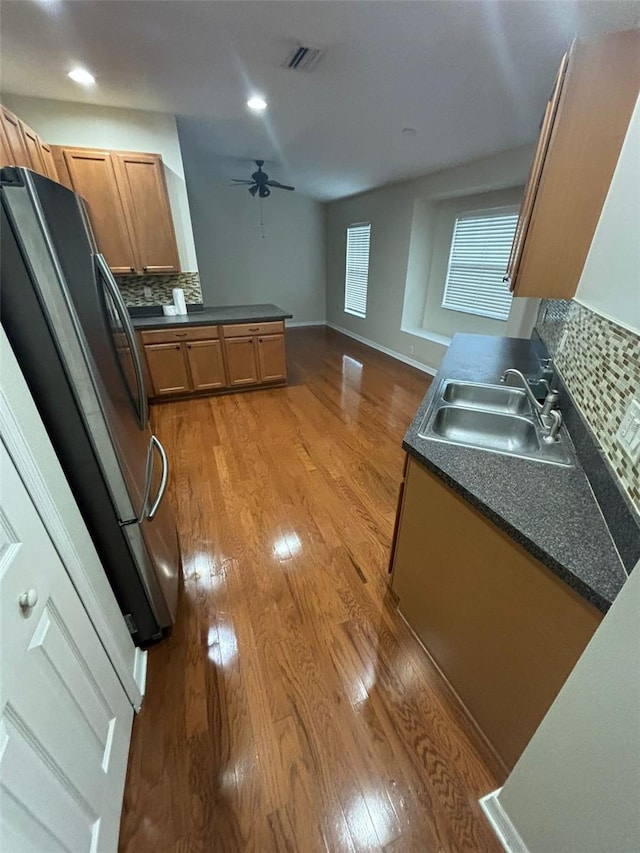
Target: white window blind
[
  {"x": 477, "y": 262},
  {"x": 357, "y": 269}
]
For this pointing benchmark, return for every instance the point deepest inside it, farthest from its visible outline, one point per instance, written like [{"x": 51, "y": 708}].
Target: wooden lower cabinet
[
  {"x": 200, "y": 359},
  {"x": 503, "y": 629},
  {"x": 271, "y": 358},
  {"x": 242, "y": 364},
  {"x": 206, "y": 365},
  {"x": 167, "y": 368}
]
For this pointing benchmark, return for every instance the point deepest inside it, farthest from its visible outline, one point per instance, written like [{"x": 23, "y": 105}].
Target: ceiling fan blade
[
  {"x": 240, "y": 181},
  {"x": 253, "y": 190},
  {"x": 279, "y": 186}
]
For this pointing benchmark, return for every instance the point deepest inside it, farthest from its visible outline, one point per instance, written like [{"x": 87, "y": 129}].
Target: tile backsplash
[
  {"x": 132, "y": 288},
  {"x": 600, "y": 364}
]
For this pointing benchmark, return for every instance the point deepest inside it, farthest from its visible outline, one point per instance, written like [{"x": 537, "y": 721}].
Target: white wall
[
  {"x": 610, "y": 282},
  {"x": 237, "y": 264},
  {"x": 62, "y": 123},
  {"x": 402, "y": 215},
  {"x": 576, "y": 787}
]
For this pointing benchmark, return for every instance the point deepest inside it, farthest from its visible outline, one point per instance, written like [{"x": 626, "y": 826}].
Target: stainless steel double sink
[{"x": 497, "y": 418}]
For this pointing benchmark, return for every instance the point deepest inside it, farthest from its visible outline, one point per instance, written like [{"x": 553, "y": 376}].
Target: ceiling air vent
[{"x": 304, "y": 58}]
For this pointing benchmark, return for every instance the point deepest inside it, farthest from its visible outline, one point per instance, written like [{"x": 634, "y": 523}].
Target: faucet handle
[{"x": 554, "y": 429}]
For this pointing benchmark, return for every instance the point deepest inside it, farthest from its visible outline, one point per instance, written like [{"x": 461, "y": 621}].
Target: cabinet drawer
[
  {"x": 182, "y": 333},
  {"x": 240, "y": 330}
]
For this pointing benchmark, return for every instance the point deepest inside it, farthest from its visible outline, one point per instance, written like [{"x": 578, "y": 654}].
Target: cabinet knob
[
  {"x": 188, "y": 346},
  {"x": 254, "y": 329},
  {"x": 28, "y": 599}
]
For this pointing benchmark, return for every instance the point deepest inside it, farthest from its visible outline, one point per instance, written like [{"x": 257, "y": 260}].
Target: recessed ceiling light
[
  {"x": 257, "y": 104},
  {"x": 82, "y": 76}
]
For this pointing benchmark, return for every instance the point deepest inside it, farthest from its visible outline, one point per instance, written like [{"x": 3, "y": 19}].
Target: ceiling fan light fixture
[{"x": 257, "y": 104}]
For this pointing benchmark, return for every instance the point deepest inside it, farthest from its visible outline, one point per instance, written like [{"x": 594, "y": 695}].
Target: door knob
[{"x": 28, "y": 599}]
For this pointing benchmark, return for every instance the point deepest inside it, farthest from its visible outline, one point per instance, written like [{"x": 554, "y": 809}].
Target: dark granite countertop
[
  {"x": 550, "y": 510},
  {"x": 210, "y": 316}
]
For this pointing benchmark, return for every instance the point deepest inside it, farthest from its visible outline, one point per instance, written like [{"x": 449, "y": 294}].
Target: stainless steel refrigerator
[{"x": 72, "y": 335}]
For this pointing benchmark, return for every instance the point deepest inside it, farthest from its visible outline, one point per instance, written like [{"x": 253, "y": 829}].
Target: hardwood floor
[{"x": 292, "y": 709}]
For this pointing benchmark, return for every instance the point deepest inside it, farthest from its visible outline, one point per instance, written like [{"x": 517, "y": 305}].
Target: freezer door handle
[
  {"x": 121, "y": 308},
  {"x": 164, "y": 478}
]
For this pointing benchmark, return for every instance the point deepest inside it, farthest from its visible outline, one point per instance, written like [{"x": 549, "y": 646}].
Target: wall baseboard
[
  {"x": 294, "y": 324},
  {"x": 412, "y": 362},
  {"x": 500, "y": 823}
]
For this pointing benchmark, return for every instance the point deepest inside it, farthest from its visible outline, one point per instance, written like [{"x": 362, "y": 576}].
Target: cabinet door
[
  {"x": 167, "y": 368},
  {"x": 594, "y": 108},
  {"x": 48, "y": 163},
  {"x": 14, "y": 139},
  {"x": 271, "y": 358},
  {"x": 92, "y": 175},
  {"x": 142, "y": 182},
  {"x": 528, "y": 198},
  {"x": 206, "y": 364},
  {"x": 32, "y": 144},
  {"x": 5, "y": 153},
  {"x": 242, "y": 364}
]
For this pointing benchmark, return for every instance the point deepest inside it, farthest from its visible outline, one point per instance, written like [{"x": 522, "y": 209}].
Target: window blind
[
  {"x": 477, "y": 262},
  {"x": 357, "y": 269}
]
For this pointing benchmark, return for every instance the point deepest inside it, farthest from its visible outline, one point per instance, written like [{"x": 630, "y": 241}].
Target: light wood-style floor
[{"x": 292, "y": 709}]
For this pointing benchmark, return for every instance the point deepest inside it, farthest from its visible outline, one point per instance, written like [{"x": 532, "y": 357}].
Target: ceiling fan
[{"x": 260, "y": 183}]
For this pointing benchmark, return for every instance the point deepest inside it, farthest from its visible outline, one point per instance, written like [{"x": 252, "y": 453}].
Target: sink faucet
[{"x": 549, "y": 416}]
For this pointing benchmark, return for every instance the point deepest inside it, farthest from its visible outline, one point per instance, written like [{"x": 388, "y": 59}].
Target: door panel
[
  {"x": 50, "y": 169},
  {"x": 241, "y": 361},
  {"x": 65, "y": 720},
  {"x": 167, "y": 368},
  {"x": 32, "y": 144},
  {"x": 273, "y": 365},
  {"x": 206, "y": 364},
  {"x": 93, "y": 177},
  {"x": 141, "y": 177},
  {"x": 14, "y": 139}
]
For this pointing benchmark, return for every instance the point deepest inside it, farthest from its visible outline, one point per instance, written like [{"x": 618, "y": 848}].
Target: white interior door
[{"x": 65, "y": 720}]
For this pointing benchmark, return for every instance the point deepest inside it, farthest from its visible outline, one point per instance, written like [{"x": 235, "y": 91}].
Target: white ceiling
[{"x": 471, "y": 77}]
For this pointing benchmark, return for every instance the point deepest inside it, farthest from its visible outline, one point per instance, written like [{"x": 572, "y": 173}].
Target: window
[
  {"x": 356, "y": 277},
  {"x": 477, "y": 262}
]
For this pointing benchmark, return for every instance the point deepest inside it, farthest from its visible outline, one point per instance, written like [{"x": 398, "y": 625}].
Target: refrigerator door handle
[
  {"x": 164, "y": 478},
  {"x": 121, "y": 308}
]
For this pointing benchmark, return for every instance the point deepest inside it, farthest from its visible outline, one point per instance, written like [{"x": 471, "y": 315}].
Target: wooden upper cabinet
[
  {"x": 32, "y": 144},
  {"x": 127, "y": 198},
  {"x": 142, "y": 181},
  {"x": 92, "y": 175},
  {"x": 582, "y": 132},
  {"x": 48, "y": 162},
  {"x": 16, "y": 153}
]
